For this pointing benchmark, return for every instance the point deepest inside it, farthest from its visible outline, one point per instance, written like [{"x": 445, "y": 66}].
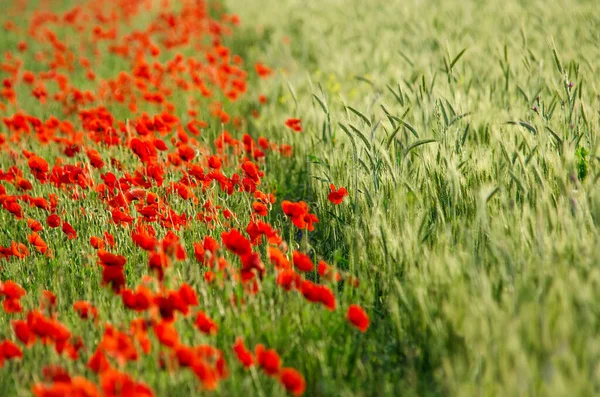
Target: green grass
[{"x": 473, "y": 215}]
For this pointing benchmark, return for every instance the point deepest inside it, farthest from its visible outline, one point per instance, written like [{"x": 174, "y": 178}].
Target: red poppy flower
[
  {"x": 19, "y": 250},
  {"x": 115, "y": 383},
  {"x": 302, "y": 262},
  {"x": 211, "y": 245},
  {"x": 110, "y": 260},
  {"x": 187, "y": 293},
  {"x": 144, "y": 150},
  {"x": 85, "y": 310},
  {"x": 34, "y": 225},
  {"x": 95, "y": 158},
  {"x": 206, "y": 374},
  {"x": 235, "y": 242},
  {"x": 8, "y": 351},
  {"x": 112, "y": 269},
  {"x": 39, "y": 167},
  {"x": 166, "y": 334},
  {"x": 186, "y": 153},
  {"x": 140, "y": 300},
  {"x": 328, "y": 272},
  {"x": 199, "y": 252},
  {"x": 326, "y": 297},
  {"x": 252, "y": 172},
  {"x": 268, "y": 360},
  {"x": 13, "y": 207},
  {"x": 260, "y": 209},
  {"x": 262, "y": 70},
  {"x": 12, "y": 306},
  {"x": 118, "y": 344},
  {"x": 96, "y": 242},
  {"x": 242, "y": 353},
  {"x": 214, "y": 162},
  {"x": 109, "y": 238},
  {"x": 22, "y": 332},
  {"x": 69, "y": 231},
  {"x": 294, "y": 124},
  {"x": 11, "y": 290},
  {"x": 143, "y": 239},
  {"x": 56, "y": 373},
  {"x": 76, "y": 386},
  {"x": 98, "y": 362},
  {"x": 293, "y": 381},
  {"x": 53, "y": 221},
  {"x": 299, "y": 213},
  {"x": 278, "y": 259},
  {"x": 358, "y": 317},
  {"x": 206, "y": 324},
  {"x": 120, "y": 217},
  {"x": 185, "y": 355},
  {"x": 336, "y": 196}
]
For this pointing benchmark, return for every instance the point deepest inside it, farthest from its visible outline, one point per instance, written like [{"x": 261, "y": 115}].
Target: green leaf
[
  {"x": 391, "y": 138},
  {"x": 325, "y": 110},
  {"x": 557, "y": 61},
  {"x": 405, "y": 124},
  {"x": 528, "y": 126},
  {"x": 417, "y": 144},
  {"x": 359, "y": 114},
  {"x": 366, "y": 80},
  {"x": 406, "y": 58},
  {"x": 399, "y": 97},
  {"x": 361, "y": 136},
  {"x": 456, "y": 59}
]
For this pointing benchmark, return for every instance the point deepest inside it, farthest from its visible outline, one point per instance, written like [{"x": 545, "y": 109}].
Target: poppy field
[{"x": 202, "y": 197}]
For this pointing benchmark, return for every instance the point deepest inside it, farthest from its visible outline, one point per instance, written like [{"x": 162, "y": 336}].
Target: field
[{"x": 319, "y": 198}]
